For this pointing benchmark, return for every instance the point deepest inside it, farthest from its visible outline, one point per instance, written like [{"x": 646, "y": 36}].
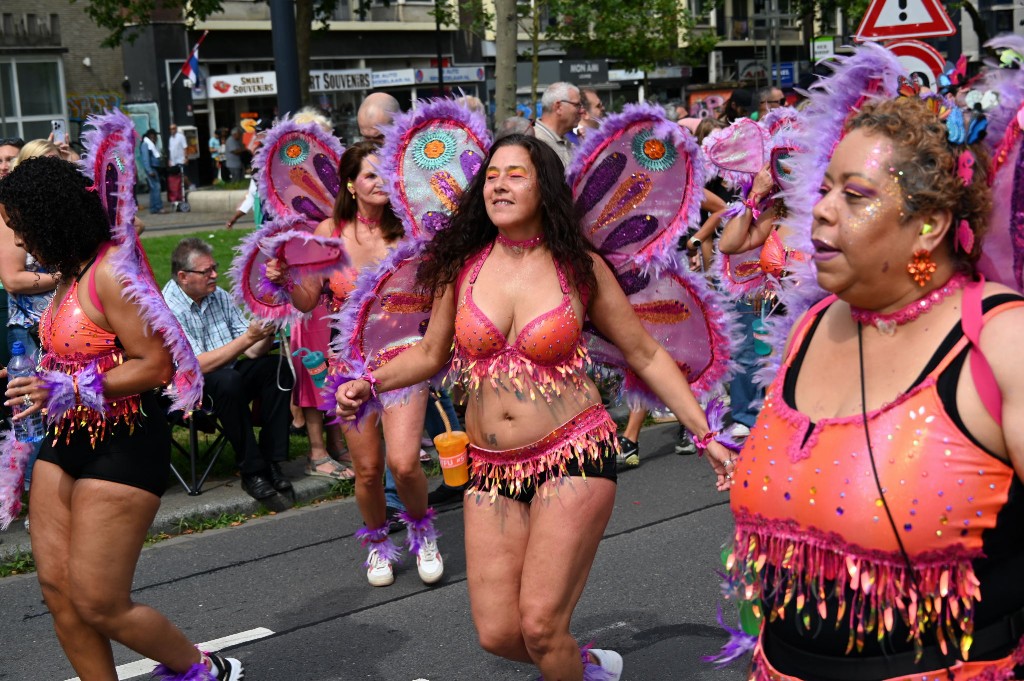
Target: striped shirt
[
  {"x": 209, "y": 324},
  {"x": 553, "y": 140}
]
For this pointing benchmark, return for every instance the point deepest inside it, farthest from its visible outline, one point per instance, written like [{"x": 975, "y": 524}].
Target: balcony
[{"x": 29, "y": 30}]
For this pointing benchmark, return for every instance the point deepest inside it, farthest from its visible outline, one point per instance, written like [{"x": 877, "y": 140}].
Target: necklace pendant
[{"x": 887, "y": 327}]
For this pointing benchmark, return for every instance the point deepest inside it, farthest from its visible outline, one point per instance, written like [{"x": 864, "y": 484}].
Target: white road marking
[{"x": 133, "y": 669}]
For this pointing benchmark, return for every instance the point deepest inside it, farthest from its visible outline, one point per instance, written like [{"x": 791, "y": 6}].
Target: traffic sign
[
  {"x": 896, "y": 19},
  {"x": 919, "y": 58}
]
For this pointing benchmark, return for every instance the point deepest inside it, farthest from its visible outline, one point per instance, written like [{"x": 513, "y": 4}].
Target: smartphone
[{"x": 60, "y": 135}]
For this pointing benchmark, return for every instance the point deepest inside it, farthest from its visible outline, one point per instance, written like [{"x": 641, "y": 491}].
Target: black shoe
[
  {"x": 446, "y": 495},
  {"x": 228, "y": 668},
  {"x": 258, "y": 486},
  {"x": 297, "y": 430},
  {"x": 395, "y": 525},
  {"x": 277, "y": 479}
]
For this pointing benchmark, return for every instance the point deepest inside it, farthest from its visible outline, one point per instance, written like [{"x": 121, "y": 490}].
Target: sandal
[{"x": 337, "y": 472}]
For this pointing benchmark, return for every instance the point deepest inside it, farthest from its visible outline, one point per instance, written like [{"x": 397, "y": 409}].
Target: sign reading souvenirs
[{"x": 340, "y": 81}]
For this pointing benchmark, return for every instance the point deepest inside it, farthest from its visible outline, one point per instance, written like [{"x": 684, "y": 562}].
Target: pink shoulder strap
[
  {"x": 94, "y": 295},
  {"x": 981, "y": 371}
]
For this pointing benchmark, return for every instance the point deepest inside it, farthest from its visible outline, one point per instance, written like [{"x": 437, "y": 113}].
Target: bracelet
[
  {"x": 694, "y": 243},
  {"x": 701, "y": 443},
  {"x": 368, "y": 377},
  {"x": 752, "y": 204}
]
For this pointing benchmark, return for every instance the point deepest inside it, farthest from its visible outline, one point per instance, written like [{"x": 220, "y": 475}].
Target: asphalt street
[{"x": 287, "y": 594}]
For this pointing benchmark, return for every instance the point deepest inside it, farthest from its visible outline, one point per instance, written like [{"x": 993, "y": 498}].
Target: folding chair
[{"x": 200, "y": 421}]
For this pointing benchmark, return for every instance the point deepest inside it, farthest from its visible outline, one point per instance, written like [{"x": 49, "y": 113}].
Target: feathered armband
[{"x": 66, "y": 391}]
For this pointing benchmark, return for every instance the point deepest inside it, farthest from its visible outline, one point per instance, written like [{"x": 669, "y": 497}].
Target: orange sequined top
[
  {"x": 548, "y": 350},
  {"x": 813, "y": 540},
  {"x": 71, "y": 341}
]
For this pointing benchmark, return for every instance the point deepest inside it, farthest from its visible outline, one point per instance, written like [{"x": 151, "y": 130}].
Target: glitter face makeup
[{"x": 510, "y": 192}]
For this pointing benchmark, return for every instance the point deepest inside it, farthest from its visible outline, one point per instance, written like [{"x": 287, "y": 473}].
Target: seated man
[{"x": 236, "y": 368}]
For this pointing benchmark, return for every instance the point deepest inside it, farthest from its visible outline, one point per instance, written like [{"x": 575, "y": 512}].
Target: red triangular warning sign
[{"x": 894, "y": 19}]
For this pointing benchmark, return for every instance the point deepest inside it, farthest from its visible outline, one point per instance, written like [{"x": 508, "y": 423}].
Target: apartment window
[{"x": 32, "y": 94}]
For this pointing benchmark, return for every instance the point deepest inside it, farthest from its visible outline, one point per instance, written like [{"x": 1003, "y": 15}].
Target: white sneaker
[
  {"x": 739, "y": 431},
  {"x": 379, "y": 573},
  {"x": 429, "y": 563},
  {"x": 610, "y": 661}
]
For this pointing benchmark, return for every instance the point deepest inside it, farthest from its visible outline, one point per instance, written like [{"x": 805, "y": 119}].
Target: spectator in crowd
[
  {"x": 472, "y": 103},
  {"x": 592, "y": 117},
  {"x": 215, "y": 146},
  {"x": 379, "y": 108},
  {"x": 739, "y": 105},
  {"x": 250, "y": 202},
  {"x": 236, "y": 369},
  {"x": 9, "y": 148},
  {"x": 769, "y": 98},
  {"x": 176, "y": 147},
  {"x": 152, "y": 159},
  {"x": 514, "y": 125},
  {"x": 562, "y": 107},
  {"x": 234, "y": 149}
]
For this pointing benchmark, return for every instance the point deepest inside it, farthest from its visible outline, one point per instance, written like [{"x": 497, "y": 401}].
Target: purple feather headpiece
[
  {"x": 430, "y": 156},
  {"x": 251, "y": 289},
  {"x": 297, "y": 171},
  {"x": 109, "y": 161}
]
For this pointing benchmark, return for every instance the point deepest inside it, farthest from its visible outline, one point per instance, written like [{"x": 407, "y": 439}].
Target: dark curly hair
[
  {"x": 345, "y": 205},
  {"x": 927, "y": 167},
  {"x": 59, "y": 219},
  {"x": 471, "y": 230}
]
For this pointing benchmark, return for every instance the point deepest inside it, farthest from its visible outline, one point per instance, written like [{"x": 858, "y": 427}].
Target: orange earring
[{"x": 921, "y": 267}]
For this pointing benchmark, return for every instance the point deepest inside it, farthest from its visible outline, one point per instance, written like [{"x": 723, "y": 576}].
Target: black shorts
[
  {"x": 139, "y": 457},
  {"x": 605, "y": 467}
]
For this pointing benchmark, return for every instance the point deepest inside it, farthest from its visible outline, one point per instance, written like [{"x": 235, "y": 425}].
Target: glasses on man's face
[
  {"x": 575, "y": 105},
  {"x": 775, "y": 102},
  {"x": 204, "y": 273},
  {"x": 12, "y": 142}
]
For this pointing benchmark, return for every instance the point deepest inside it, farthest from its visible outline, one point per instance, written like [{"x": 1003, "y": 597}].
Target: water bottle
[{"x": 28, "y": 429}]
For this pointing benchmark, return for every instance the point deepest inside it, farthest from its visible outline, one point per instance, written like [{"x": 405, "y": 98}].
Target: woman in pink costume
[
  {"x": 513, "y": 278},
  {"x": 103, "y": 463},
  {"x": 364, "y": 221},
  {"x": 878, "y": 500}
]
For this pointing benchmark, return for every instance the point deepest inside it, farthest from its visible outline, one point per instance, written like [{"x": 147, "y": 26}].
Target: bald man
[{"x": 379, "y": 108}]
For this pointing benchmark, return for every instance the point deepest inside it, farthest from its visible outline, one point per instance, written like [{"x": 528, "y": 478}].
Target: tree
[{"x": 638, "y": 34}]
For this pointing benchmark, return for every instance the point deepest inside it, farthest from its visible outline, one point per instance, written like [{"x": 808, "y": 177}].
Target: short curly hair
[
  {"x": 59, "y": 219},
  {"x": 927, "y": 166}
]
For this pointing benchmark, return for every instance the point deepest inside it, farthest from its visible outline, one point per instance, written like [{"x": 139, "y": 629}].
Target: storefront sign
[
  {"x": 584, "y": 72},
  {"x": 660, "y": 73},
  {"x": 261, "y": 84},
  {"x": 823, "y": 48},
  {"x": 452, "y": 74},
  {"x": 340, "y": 81},
  {"x": 397, "y": 78}
]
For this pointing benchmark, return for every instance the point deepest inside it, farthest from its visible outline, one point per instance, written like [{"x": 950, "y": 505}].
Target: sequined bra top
[
  {"x": 71, "y": 341},
  {"x": 547, "y": 351},
  {"x": 812, "y": 535}
]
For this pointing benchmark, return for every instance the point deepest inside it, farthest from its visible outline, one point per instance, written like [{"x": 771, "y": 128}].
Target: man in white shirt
[
  {"x": 562, "y": 108},
  {"x": 176, "y": 147}
]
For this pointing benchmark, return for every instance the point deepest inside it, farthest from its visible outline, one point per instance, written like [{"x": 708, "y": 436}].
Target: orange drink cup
[{"x": 453, "y": 454}]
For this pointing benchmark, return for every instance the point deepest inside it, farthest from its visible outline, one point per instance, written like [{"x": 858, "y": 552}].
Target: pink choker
[
  {"x": 886, "y": 323},
  {"x": 519, "y": 247},
  {"x": 366, "y": 221}
]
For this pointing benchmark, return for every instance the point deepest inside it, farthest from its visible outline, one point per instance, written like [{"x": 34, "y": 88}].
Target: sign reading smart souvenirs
[
  {"x": 584, "y": 72},
  {"x": 340, "y": 81},
  {"x": 242, "y": 85},
  {"x": 895, "y": 19}
]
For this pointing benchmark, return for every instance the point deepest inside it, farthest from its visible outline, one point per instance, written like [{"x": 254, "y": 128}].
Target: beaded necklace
[
  {"x": 519, "y": 247},
  {"x": 366, "y": 221},
  {"x": 886, "y": 322}
]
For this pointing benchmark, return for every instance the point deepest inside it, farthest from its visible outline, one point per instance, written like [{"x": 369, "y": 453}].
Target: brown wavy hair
[
  {"x": 471, "y": 229},
  {"x": 345, "y": 205},
  {"x": 927, "y": 165}
]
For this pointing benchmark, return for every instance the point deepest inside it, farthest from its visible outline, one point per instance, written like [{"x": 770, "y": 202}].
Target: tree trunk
[
  {"x": 505, "y": 33},
  {"x": 535, "y": 57},
  {"x": 303, "y": 35}
]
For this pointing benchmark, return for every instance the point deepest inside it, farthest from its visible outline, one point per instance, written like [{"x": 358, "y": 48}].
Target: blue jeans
[
  {"x": 434, "y": 426},
  {"x": 742, "y": 391},
  {"x": 156, "y": 204}
]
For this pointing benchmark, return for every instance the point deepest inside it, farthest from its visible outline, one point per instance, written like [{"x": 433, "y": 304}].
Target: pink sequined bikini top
[
  {"x": 550, "y": 339},
  {"x": 547, "y": 354},
  {"x": 67, "y": 331}
]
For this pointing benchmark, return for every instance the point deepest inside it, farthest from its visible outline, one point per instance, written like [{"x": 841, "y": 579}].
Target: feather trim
[
  {"x": 593, "y": 671},
  {"x": 379, "y": 541},
  {"x": 250, "y": 284},
  {"x": 739, "y": 644},
  {"x": 109, "y": 148},
  {"x": 872, "y": 587},
  {"x": 66, "y": 391},
  {"x": 396, "y": 139},
  {"x": 716, "y": 412},
  {"x": 420, "y": 530},
  {"x": 197, "y": 672},
  {"x": 738, "y": 179},
  {"x": 14, "y": 457}
]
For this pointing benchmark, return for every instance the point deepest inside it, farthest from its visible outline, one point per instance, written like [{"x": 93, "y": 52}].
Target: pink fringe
[
  {"x": 807, "y": 559},
  {"x": 512, "y": 371},
  {"x": 421, "y": 530},
  {"x": 14, "y": 458},
  {"x": 378, "y": 539}
]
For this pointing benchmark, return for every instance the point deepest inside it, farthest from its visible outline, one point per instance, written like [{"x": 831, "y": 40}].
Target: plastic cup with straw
[{"x": 452, "y": 451}]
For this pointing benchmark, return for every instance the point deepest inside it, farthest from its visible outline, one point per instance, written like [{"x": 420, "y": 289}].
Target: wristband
[
  {"x": 694, "y": 243},
  {"x": 368, "y": 377},
  {"x": 752, "y": 204},
  {"x": 701, "y": 443}
]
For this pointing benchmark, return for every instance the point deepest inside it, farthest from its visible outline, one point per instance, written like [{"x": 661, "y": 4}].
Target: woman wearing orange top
[
  {"x": 103, "y": 464},
  {"x": 513, "y": 278},
  {"x": 367, "y": 226},
  {"x": 878, "y": 500}
]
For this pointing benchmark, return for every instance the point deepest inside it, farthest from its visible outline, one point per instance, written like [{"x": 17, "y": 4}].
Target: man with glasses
[
  {"x": 770, "y": 98},
  {"x": 562, "y": 107},
  {"x": 591, "y": 118},
  {"x": 236, "y": 370}
]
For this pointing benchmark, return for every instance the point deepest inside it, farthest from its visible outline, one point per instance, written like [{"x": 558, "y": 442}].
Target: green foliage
[
  {"x": 471, "y": 15},
  {"x": 638, "y": 35},
  {"x": 17, "y": 563}
]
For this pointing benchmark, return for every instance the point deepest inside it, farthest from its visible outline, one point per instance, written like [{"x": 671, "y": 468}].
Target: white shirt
[
  {"x": 176, "y": 148},
  {"x": 152, "y": 147}
]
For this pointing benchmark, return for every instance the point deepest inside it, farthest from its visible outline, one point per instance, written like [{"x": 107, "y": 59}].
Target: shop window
[{"x": 31, "y": 95}]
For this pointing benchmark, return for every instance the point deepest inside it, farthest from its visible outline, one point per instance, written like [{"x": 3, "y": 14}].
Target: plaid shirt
[{"x": 210, "y": 324}]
